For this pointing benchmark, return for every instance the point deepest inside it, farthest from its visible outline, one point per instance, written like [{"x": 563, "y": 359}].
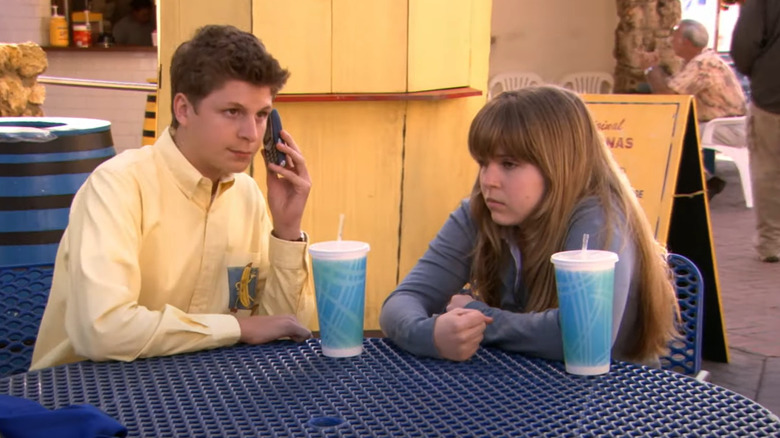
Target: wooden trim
[
  {"x": 432, "y": 95},
  {"x": 100, "y": 48}
]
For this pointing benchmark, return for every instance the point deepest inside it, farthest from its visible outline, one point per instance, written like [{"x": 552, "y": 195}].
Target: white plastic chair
[
  {"x": 588, "y": 82},
  {"x": 739, "y": 154},
  {"x": 513, "y": 81}
]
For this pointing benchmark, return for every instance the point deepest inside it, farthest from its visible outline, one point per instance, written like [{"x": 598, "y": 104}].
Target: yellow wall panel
[
  {"x": 353, "y": 153},
  {"x": 369, "y": 46},
  {"x": 178, "y": 20},
  {"x": 439, "y": 38},
  {"x": 196, "y": 13},
  {"x": 438, "y": 171},
  {"x": 479, "y": 65},
  {"x": 167, "y": 40},
  {"x": 300, "y": 41}
]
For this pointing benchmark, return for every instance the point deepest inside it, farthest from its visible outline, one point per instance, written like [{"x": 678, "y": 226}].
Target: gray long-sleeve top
[
  {"x": 755, "y": 49},
  {"x": 409, "y": 313}
]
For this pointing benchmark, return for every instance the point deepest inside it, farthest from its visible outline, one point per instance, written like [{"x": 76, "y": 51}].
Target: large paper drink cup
[
  {"x": 339, "y": 268},
  {"x": 585, "y": 281}
]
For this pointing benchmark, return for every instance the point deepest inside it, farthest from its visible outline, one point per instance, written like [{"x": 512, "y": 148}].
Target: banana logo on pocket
[{"x": 242, "y": 281}]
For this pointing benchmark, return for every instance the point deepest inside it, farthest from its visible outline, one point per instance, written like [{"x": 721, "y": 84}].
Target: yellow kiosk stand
[
  {"x": 380, "y": 99},
  {"x": 655, "y": 140}
]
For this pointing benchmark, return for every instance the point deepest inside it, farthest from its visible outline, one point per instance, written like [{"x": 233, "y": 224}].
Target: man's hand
[
  {"x": 459, "y": 301},
  {"x": 457, "y": 333},
  {"x": 648, "y": 59},
  {"x": 262, "y": 329},
  {"x": 657, "y": 79},
  {"x": 288, "y": 190}
]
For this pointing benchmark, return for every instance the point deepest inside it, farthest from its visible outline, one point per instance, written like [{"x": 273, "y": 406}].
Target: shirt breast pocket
[{"x": 243, "y": 270}]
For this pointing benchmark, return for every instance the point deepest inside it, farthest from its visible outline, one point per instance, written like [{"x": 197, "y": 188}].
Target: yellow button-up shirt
[{"x": 141, "y": 270}]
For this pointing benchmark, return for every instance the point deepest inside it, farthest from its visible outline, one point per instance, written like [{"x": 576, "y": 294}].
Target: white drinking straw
[
  {"x": 341, "y": 226},
  {"x": 585, "y": 238}
]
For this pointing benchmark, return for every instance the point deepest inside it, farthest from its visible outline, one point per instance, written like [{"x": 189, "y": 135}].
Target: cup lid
[
  {"x": 339, "y": 249},
  {"x": 583, "y": 259}
]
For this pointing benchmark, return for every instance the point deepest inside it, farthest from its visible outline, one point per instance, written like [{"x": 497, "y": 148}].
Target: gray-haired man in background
[{"x": 710, "y": 80}]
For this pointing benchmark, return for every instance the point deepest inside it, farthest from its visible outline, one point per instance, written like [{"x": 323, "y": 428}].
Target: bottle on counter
[
  {"x": 58, "y": 29},
  {"x": 82, "y": 37},
  {"x": 82, "y": 32}
]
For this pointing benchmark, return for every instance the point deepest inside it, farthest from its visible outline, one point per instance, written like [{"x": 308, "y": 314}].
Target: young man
[{"x": 142, "y": 269}]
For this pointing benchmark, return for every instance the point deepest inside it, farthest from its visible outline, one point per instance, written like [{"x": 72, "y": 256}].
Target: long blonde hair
[{"x": 552, "y": 129}]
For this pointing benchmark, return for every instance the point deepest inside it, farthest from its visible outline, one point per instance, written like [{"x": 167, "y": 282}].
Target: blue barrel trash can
[{"x": 43, "y": 162}]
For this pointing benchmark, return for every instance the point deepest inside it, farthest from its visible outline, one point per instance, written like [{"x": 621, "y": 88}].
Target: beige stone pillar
[
  {"x": 644, "y": 26},
  {"x": 20, "y": 92}
]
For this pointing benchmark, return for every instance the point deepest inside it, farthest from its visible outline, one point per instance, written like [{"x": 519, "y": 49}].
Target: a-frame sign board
[{"x": 655, "y": 140}]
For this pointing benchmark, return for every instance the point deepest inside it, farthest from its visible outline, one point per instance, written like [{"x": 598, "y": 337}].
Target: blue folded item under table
[{"x": 22, "y": 418}]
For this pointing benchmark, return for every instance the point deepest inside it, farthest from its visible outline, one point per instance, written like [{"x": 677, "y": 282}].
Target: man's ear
[{"x": 182, "y": 108}]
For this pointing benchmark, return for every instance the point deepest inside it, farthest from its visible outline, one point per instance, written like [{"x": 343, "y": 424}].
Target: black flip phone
[{"x": 271, "y": 138}]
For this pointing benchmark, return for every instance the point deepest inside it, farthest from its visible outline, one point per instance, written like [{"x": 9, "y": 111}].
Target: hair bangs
[{"x": 499, "y": 129}]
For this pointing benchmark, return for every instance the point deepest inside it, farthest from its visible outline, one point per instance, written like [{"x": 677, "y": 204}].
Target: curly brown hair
[{"x": 217, "y": 54}]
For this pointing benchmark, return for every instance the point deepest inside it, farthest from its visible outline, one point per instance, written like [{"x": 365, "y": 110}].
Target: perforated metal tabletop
[{"x": 287, "y": 389}]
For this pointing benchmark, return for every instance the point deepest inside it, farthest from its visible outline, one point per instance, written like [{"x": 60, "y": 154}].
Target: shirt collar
[
  {"x": 704, "y": 53},
  {"x": 187, "y": 177}
]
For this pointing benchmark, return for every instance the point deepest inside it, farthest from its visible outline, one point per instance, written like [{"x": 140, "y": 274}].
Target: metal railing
[{"x": 94, "y": 83}]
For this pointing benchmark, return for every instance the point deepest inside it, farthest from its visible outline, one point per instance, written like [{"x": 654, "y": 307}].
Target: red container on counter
[{"x": 82, "y": 35}]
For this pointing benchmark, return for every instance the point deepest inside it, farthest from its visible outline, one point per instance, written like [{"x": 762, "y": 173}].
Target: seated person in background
[
  {"x": 709, "y": 79},
  {"x": 546, "y": 177},
  {"x": 135, "y": 28},
  {"x": 141, "y": 270}
]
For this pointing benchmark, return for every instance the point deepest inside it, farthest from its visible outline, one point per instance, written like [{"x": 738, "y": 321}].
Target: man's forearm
[{"x": 657, "y": 77}]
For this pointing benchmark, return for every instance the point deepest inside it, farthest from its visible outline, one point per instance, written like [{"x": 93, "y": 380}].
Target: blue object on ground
[{"x": 22, "y": 418}]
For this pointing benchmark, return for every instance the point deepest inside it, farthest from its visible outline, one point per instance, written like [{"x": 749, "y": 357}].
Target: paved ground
[{"x": 750, "y": 296}]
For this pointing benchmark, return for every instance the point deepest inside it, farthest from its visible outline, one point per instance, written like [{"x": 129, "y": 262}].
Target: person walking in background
[
  {"x": 709, "y": 79},
  {"x": 755, "y": 49}
]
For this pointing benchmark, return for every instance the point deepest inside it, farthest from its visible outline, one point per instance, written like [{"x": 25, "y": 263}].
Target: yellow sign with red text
[
  {"x": 654, "y": 140},
  {"x": 645, "y": 134}
]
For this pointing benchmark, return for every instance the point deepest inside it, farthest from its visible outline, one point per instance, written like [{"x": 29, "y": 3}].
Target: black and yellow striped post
[{"x": 150, "y": 118}]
